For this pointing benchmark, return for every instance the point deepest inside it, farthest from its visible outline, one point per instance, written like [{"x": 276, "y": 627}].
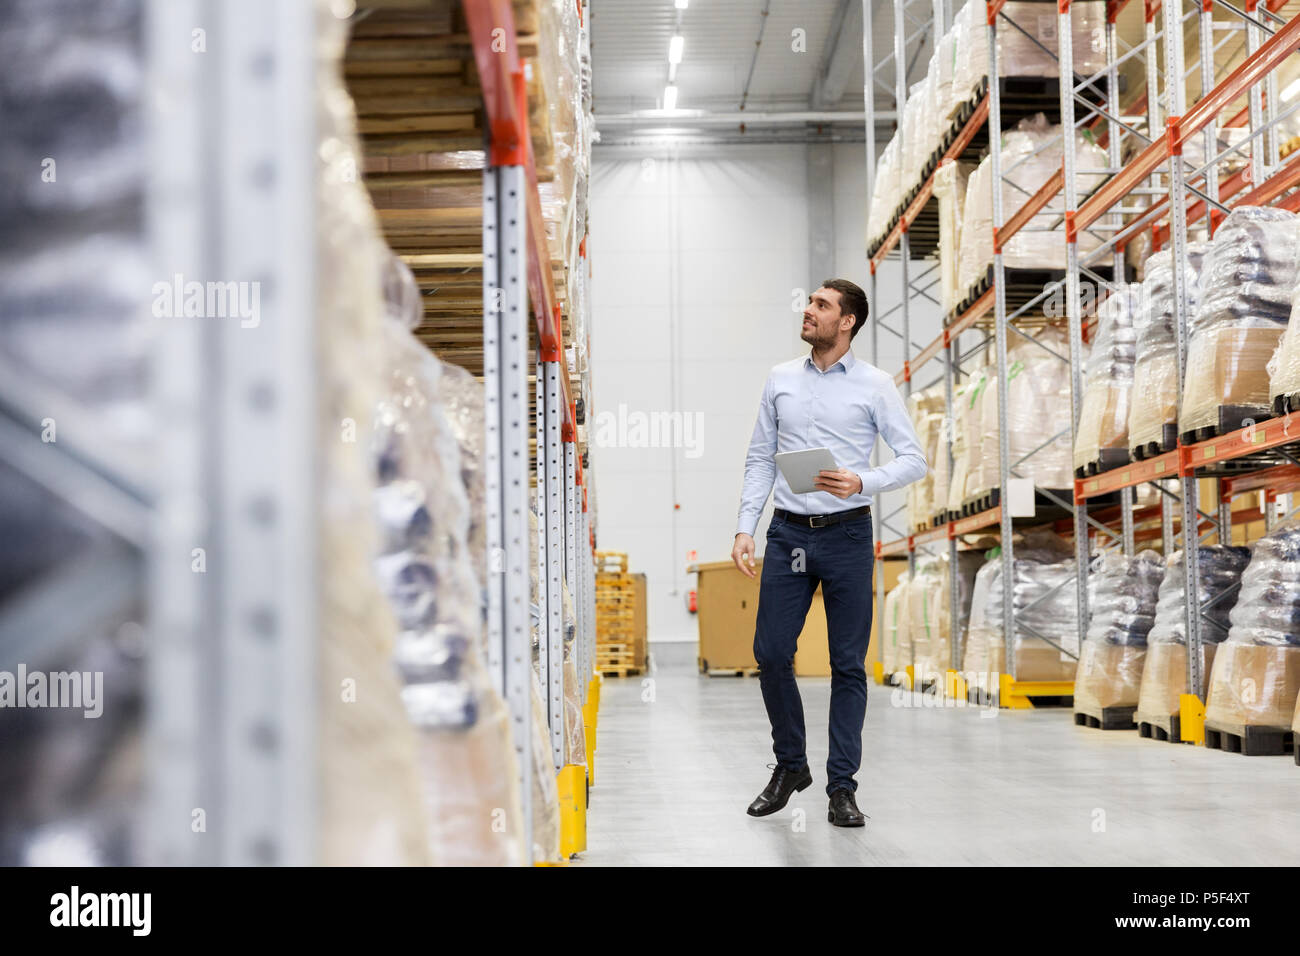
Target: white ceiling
[{"x": 629, "y": 49}]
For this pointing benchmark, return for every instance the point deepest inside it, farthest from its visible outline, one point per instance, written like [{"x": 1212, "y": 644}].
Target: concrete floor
[{"x": 680, "y": 756}]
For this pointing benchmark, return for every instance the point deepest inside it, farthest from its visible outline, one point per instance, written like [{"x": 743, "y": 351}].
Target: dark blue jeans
[{"x": 839, "y": 557}]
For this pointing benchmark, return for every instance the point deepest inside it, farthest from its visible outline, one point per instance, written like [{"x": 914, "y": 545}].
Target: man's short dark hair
[{"x": 853, "y": 301}]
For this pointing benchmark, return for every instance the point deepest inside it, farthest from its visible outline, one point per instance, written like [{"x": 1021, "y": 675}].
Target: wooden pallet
[{"x": 607, "y": 561}]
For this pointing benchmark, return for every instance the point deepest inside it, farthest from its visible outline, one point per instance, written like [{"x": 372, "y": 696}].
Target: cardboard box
[
  {"x": 1164, "y": 680},
  {"x": 1227, "y": 366},
  {"x": 1035, "y": 660},
  {"x": 1253, "y": 684},
  {"x": 1108, "y": 675},
  {"x": 728, "y": 613}
]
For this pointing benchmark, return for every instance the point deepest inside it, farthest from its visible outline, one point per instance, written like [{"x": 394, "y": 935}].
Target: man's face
[{"x": 822, "y": 319}]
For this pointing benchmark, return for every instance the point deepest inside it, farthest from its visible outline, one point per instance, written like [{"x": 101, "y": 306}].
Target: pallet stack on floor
[{"x": 620, "y": 649}]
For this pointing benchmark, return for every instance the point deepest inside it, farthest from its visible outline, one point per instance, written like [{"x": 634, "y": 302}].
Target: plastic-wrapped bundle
[
  {"x": 1164, "y": 676},
  {"x": 978, "y": 634},
  {"x": 1043, "y": 564},
  {"x": 896, "y": 610},
  {"x": 926, "y": 411},
  {"x": 467, "y": 755},
  {"x": 1103, "y": 419},
  {"x": 886, "y": 194},
  {"x": 932, "y": 653},
  {"x": 967, "y": 437},
  {"x": 1256, "y": 676},
  {"x": 1122, "y": 602},
  {"x": 1018, "y": 53},
  {"x": 1284, "y": 367},
  {"x": 1246, "y": 287},
  {"x": 1038, "y": 416},
  {"x": 1031, "y": 155},
  {"x": 950, "y": 189},
  {"x": 926, "y": 625},
  {"x": 1153, "y": 411}
]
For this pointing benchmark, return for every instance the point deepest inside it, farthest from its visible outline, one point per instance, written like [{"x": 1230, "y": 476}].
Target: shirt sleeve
[
  {"x": 760, "y": 464},
  {"x": 895, "y": 426}
]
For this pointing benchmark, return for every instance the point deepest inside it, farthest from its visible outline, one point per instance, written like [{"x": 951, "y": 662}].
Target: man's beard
[{"x": 814, "y": 338}]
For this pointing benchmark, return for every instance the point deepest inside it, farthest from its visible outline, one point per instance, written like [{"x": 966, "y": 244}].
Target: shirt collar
[{"x": 845, "y": 361}]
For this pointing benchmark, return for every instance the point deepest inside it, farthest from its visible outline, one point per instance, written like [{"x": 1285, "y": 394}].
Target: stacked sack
[
  {"x": 927, "y": 621},
  {"x": 966, "y": 438},
  {"x": 1038, "y": 416},
  {"x": 1043, "y": 564},
  {"x": 1164, "y": 675},
  {"x": 932, "y": 640},
  {"x": 1153, "y": 413},
  {"x": 950, "y": 190},
  {"x": 895, "y": 625},
  {"x": 1284, "y": 367},
  {"x": 1256, "y": 675},
  {"x": 1103, "y": 420},
  {"x": 1122, "y": 602},
  {"x": 926, "y": 409},
  {"x": 1031, "y": 154},
  {"x": 1246, "y": 287}
]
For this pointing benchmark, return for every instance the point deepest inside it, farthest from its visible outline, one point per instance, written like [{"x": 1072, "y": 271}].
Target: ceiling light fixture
[
  {"x": 1291, "y": 90},
  {"x": 670, "y": 97},
  {"x": 682, "y": 4},
  {"x": 675, "y": 47}
]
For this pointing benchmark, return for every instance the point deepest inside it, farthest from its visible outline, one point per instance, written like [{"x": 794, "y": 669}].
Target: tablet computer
[{"x": 800, "y": 468}]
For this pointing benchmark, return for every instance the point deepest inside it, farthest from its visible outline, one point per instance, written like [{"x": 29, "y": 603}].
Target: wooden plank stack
[{"x": 620, "y": 644}]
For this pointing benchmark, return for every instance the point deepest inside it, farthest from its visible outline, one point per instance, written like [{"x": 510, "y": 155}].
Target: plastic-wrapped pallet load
[
  {"x": 1164, "y": 674},
  {"x": 950, "y": 190},
  {"x": 466, "y": 752},
  {"x": 1153, "y": 410},
  {"x": 926, "y": 410},
  {"x": 895, "y": 620},
  {"x": 926, "y": 624},
  {"x": 1246, "y": 287},
  {"x": 1043, "y": 564},
  {"x": 932, "y": 656},
  {"x": 1284, "y": 367},
  {"x": 1031, "y": 155},
  {"x": 1038, "y": 416},
  {"x": 1027, "y": 46},
  {"x": 1256, "y": 675},
  {"x": 1103, "y": 419},
  {"x": 966, "y": 438},
  {"x": 1122, "y": 602},
  {"x": 886, "y": 194}
]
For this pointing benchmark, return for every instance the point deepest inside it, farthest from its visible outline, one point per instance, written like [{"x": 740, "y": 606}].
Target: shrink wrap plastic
[
  {"x": 1031, "y": 155},
  {"x": 1155, "y": 369},
  {"x": 927, "y": 626},
  {"x": 932, "y": 643},
  {"x": 1284, "y": 367},
  {"x": 1018, "y": 53},
  {"x": 966, "y": 438},
  {"x": 1122, "y": 602},
  {"x": 927, "y": 414},
  {"x": 1038, "y": 416},
  {"x": 1246, "y": 286},
  {"x": 1164, "y": 675},
  {"x": 1103, "y": 419},
  {"x": 1256, "y": 676},
  {"x": 425, "y": 568},
  {"x": 957, "y": 67},
  {"x": 1042, "y": 564},
  {"x": 950, "y": 190},
  {"x": 896, "y": 610}
]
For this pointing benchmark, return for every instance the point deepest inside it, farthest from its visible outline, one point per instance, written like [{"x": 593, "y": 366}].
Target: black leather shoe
[
  {"x": 779, "y": 789},
  {"x": 844, "y": 810}
]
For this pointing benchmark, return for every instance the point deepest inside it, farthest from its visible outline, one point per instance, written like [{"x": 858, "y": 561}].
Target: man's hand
[
  {"x": 742, "y": 553},
  {"x": 841, "y": 482}
]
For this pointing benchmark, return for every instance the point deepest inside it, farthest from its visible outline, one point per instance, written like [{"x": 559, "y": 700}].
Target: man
[{"x": 826, "y": 399}]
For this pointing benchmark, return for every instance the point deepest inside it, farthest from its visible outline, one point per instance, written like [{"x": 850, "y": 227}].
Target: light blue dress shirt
[{"x": 843, "y": 409}]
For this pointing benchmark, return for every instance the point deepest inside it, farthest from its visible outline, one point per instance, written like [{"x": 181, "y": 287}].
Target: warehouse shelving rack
[
  {"x": 1264, "y": 454},
  {"x": 517, "y": 274},
  {"x": 979, "y": 125}
]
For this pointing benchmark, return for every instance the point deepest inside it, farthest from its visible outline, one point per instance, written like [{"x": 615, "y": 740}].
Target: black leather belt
[{"x": 821, "y": 521}]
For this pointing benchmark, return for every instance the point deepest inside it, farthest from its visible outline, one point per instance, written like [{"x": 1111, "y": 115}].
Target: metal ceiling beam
[
  {"x": 839, "y": 56},
  {"x": 660, "y": 118}
]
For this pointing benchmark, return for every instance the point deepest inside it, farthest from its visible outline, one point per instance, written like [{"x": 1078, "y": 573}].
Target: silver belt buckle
[{"x": 817, "y": 521}]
